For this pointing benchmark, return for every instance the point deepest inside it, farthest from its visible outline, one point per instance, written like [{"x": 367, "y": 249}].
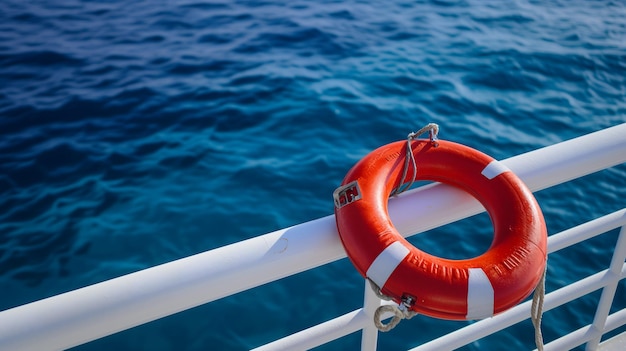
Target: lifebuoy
[{"x": 464, "y": 289}]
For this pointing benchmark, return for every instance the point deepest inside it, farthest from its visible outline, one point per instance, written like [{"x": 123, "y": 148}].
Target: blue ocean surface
[{"x": 134, "y": 133}]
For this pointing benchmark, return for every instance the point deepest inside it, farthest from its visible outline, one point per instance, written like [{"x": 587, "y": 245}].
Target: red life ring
[{"x": 464, "y": 289}]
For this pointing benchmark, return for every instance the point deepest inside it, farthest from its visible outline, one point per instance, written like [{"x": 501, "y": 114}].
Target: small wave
[
  {"x": 217, "y": 66},
  {"x": 42, "y": 58},
  {"x": 504, "y": 79}
]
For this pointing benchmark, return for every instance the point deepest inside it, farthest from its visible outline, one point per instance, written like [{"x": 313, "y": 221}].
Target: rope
[
  {"x": 433, "y": 130},
  {"x": 536, "y": 310},
  {"x": 400, "y": 312},
  {"x": 378, "y": 317}
]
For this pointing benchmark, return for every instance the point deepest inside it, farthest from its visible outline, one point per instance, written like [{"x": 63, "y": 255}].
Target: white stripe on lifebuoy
[
  {"x": 479, "y": 295},
  {"x": 386, "y": 262},
  {"x": 494, "y": 169}
]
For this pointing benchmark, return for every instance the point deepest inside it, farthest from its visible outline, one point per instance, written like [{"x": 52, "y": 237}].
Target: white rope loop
[
  {"x": 399, "y": 312},
  {"x": 378, "y": 317}
]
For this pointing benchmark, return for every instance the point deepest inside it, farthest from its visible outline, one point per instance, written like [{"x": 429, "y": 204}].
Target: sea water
[{"x": 134, "y": 133}]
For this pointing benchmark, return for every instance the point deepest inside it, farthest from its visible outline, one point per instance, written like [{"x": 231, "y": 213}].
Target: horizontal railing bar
[
  {"x": 311, "y": 337},
  {"x": 586, "y": 333},
  {"x": 614, "y": 321},
  {"x": 539, "y": 169},
  {"x": 615, "y": 343},
  {"x": 314, "y": 336},
  {"x": 586, "y": 230},
  {"x": 82, "y": 315},
  {"x": 559, "y": 162},
  {"x": 320, "y": 333},
  {"x": 478, "y": 330}
]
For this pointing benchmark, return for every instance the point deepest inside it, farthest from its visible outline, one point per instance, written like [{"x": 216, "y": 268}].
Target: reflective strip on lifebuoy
[{"x": 451, "y": 289}]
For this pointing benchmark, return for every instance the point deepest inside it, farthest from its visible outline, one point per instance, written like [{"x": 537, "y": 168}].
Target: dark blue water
[{"x": 136, "y": 133}]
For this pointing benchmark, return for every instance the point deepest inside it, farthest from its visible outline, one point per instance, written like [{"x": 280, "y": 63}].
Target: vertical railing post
[
  {"x": 608, "y": 292},
  {"x": 369, "y": 337}
]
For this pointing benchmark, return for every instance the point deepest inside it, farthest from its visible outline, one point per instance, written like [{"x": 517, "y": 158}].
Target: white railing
[
  {"x": 105, "y": 308},
  {"x": 602, "y": 323}
]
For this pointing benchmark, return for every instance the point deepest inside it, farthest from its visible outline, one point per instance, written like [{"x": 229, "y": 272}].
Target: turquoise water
[{"x": 136, "y": 133}]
